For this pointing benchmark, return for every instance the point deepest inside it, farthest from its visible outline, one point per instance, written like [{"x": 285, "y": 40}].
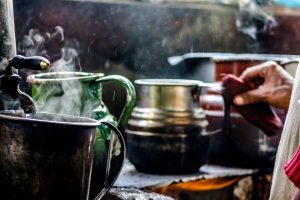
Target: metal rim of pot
[
  {"x": 160, "y": 114},
  {"x": 168, "y": 82},
  {"x": 64, "y": 76},
  {"x": 177, "y": 82},
  {"x": 84, "y": 121},
  {"x": 255, "y": 57}
]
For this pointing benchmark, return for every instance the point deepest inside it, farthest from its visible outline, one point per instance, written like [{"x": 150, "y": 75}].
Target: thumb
[{"x": 249, "y": 97}]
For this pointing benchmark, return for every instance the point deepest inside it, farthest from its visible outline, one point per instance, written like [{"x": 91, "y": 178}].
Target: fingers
[
  {"x": 249, "y": 97},
  {"x": 257, "y": 71},
  {"x": 269, "y": 82}
]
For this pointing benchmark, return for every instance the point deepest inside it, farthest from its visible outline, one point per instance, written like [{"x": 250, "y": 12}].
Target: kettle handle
[
  {"x": 113, "y": 166},
  {"x": 130, "y": 100}
]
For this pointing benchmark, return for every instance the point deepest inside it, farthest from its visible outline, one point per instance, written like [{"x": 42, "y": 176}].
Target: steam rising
[
  {"x": 67, "y": 96},
  {"x": 35, "y": 42},
  {"x": 69, "y": 60},
  {"x": 63, "y": 99},
  {"x": 254, "y": 19}
]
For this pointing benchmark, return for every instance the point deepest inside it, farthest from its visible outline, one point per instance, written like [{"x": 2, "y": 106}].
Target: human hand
[{"x": 269, "y": 83}]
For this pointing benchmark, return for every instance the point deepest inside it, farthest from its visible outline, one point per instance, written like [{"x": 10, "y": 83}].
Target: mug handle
[
  {"x": 130, "y": 100},
  {"x": 113, "y": 166}
]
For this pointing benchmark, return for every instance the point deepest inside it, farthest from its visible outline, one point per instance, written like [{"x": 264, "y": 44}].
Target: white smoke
[
  {"x": 35, "y": 42},
  {"x": 69, "y": 60},
  {"x": 254, "y": 19},
  {"x": 65, "y": 97}
]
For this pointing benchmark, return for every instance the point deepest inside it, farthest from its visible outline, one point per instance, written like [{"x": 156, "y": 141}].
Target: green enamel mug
[{"x": 80, "y": 94}]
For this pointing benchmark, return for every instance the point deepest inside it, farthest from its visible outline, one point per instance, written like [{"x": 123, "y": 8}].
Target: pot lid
[
  {"x": 167, "y": 82},
  {"x": 255, "y": 57},
  {"x": 178, "y": 82},
  {"x": 219, "y": 57}
]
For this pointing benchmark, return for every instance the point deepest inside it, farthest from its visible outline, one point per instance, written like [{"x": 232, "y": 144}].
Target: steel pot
[
  {"x": 245, "y": 145},
  {"x": 49, "y": 156},
  {"x": 166, "y": 133}
]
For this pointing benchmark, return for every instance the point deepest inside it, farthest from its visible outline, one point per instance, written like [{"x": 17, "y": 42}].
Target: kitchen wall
[{"x": 135, "y": 40}]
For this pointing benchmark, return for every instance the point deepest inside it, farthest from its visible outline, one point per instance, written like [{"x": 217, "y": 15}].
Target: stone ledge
[{"x": 117, "y": 193}]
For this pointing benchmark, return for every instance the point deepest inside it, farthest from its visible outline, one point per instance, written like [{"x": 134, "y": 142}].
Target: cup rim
[{"x": 46, "y": 77}]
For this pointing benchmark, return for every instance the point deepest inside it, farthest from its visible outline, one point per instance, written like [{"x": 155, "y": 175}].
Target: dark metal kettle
[{"x": 11, "y": 97}]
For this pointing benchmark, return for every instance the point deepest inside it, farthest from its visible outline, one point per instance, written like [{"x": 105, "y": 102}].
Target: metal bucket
[{"x": 48, "y": 156}]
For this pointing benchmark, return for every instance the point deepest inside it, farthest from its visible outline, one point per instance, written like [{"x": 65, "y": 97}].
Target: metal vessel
[
  {"x": 80, "y": 94},
  {"x": 166, "y": 133},
  {"x": 48, "y": 156}
]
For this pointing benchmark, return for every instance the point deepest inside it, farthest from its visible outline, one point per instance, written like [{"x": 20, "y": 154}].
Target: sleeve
[{"x": 292, "y": 168}]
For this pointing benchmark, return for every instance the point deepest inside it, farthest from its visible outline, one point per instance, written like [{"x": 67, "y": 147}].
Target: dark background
[{"x": 135, "y": 40}]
